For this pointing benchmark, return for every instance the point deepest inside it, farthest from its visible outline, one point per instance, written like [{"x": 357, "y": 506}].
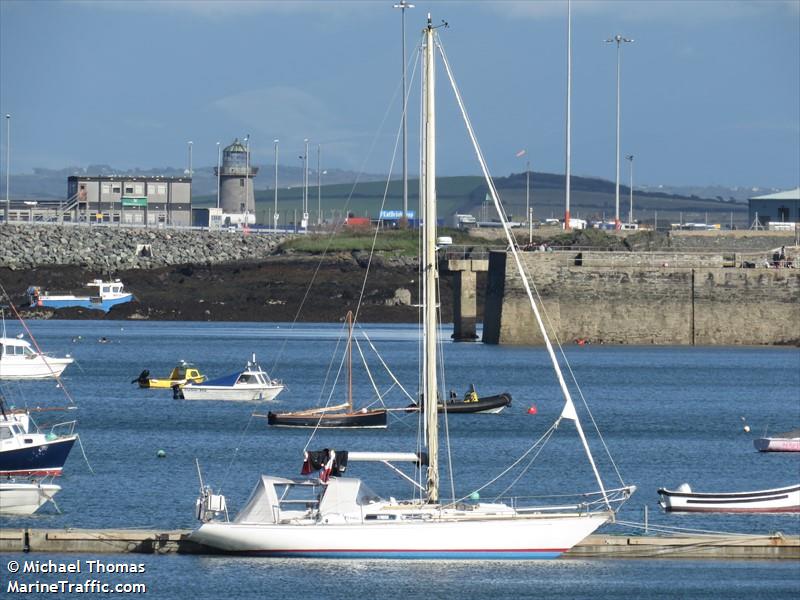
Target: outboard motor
[{"x": 142, "y": 379}]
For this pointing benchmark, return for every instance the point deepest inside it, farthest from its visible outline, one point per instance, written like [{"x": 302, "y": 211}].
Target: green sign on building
[{"x": 141, "y": 202}]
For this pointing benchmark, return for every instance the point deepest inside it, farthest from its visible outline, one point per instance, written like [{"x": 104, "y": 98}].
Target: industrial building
[
  {"x": 129, "y": 200},
  {"x": 770, "y": 210}
]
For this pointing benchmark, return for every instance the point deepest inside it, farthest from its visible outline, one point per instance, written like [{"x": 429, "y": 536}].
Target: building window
[
  {"x": 115, "y": 189},
  {"x": 128, "y": 189},
  {"x": 241, "y": 182}
]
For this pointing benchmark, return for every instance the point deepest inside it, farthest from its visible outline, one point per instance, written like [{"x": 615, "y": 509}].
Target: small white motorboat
[
  {"x": 248, "y": 385},
  {"x": 19, "y": 360},
  {"x": 19, "y": 499},
  {"x": 780, "y": 442},
  {"x": 777, "y": 500}
]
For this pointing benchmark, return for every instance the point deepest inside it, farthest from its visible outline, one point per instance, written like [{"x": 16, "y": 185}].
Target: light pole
[
  {"x": 275, "y": 215},
  {"x": 319, "y": 187},
  {"x": 219, "y": 168},
  {"x": 629, "y": 157},
  {"x": 8, "y": 168},
  {"x": 403, "y": 5},
  {"x": 305, "y": 187},
  {"x": 190, "y": 144},
  {"x": 619, "y": 40},
  {"x": 568, "y": 153}
]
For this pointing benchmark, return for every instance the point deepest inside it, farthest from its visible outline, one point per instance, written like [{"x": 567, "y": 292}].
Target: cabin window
[
  {"x": 5, "y": 433},
  {"x": 104, "y": 289}
]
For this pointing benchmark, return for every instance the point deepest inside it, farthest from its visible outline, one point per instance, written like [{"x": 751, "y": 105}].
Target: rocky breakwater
[
  {"x": 112, "y": 249},
  {"x": 208, "y": 276}
]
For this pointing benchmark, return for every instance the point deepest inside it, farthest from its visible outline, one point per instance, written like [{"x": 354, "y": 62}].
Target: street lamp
[
  {"x": 619, "y": 40},
  {"x": 275, "y": 215},
  {"x": 403, "y": 5},
  {"x": 189, "y": 171},
  {"x": 629, "y": 158},
  {"x": 319, "y": 187},
  {"x": 568, "y": 145},
  {"x": 219, "y": 168},
  {"x": 8, "y": 168},
  {"x": 305, "y": 187}
]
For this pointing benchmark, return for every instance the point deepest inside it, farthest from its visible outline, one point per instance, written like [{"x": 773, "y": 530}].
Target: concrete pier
[
  {"x": 464, "y": 269},
  {"x": 142, "y": 541}
]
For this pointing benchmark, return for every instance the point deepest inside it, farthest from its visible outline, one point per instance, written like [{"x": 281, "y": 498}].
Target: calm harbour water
[{"x": 669, "y": 415}]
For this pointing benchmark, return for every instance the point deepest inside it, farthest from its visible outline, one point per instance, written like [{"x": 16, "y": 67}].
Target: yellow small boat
[{"x": 182, "y": 374}]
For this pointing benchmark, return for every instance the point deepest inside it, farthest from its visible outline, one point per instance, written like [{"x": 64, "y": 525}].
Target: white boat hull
[
  {"x": 519, "y": 537},
  {"x": 777, "y": 500},
  {"x": 25, "y": 498},
  {"x": 32, "y": 368},
  {"x": 237, "y": 394},
  {"x": 777, "y": 444}
]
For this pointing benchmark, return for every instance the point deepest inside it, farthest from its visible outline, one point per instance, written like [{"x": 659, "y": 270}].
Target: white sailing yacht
[{"x": 340, "y": 517}]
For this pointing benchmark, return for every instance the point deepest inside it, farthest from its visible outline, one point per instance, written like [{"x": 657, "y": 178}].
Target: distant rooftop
[{"x": 787, "y": 195}]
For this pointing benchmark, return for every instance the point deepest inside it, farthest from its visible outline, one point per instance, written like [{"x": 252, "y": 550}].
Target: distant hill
[{"x": 591, "y": 198}]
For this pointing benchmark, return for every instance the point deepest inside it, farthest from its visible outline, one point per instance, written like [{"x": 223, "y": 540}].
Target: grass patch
[{"x": 404, "y": 242}]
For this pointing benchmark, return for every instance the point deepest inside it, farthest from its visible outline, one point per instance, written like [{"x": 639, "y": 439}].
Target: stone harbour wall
[
  {"x": 643, "y": 305},
  {"x": 114, "y": 248}
]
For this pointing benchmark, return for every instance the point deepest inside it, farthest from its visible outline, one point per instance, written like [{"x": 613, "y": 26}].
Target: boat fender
[{"x": 475, "y": 496}]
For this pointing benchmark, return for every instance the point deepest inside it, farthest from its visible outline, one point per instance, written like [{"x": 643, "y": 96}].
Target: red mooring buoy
[{"x": 532, "y": 410}]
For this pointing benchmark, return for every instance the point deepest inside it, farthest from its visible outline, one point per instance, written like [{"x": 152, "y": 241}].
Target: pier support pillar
[
  {"x": 463, "y": 268},
  {"x": 465, "y": 307}
]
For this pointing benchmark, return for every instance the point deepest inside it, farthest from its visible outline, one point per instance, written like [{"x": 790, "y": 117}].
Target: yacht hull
[{"x": 518, "y": 538}]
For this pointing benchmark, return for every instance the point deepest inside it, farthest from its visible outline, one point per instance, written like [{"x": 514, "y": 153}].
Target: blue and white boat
[
  {"x": 109, "y": 293},
  {"x": 248, "y": 385},
  {"x": 27, "y": 452}
]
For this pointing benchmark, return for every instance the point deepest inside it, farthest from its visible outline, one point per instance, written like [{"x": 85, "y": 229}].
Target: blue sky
[{"x": 710, "y": 89}]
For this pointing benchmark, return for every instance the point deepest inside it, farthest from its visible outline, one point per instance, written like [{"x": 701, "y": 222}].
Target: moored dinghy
[
  {"x": 340, "y": 517},
  {"x": 341, "y": 416},
  {"x": 780, "y": 442},
  {"x": 776, "y": 500}
]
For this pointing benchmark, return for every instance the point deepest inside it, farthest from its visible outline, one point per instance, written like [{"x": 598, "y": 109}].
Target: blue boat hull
[
  {"x": 85, "y": 302},
  {"x": 40, "y": 459}
]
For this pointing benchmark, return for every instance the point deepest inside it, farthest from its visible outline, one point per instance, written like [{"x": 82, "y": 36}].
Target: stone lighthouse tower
[{"x": 236, "y": 181}]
